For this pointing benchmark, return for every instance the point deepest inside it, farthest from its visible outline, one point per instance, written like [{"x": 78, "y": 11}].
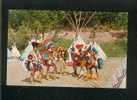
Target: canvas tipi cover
[
  {"x": 77, "y": 40},
  {"x": 15, "y": 68},
  {"x": 15, "y": 52},
  {"x": 9, "y": 54},
  {"x": 26, "y": 52},
  {"x": 100, "y": 52}
]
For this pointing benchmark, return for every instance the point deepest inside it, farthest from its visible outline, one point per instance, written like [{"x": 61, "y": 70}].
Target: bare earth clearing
[{"x": 16, "y": 73}]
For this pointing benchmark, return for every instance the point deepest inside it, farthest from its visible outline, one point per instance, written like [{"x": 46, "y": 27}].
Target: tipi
[
  {"x": 16, "y": 69},
  {"x": 15, "y": 52},
  {"x": 26, "y": 52},
  {"x": 79, "y": 21},
  {"x": 9, "y": 54},
  {"x": 77, "y": 42}
]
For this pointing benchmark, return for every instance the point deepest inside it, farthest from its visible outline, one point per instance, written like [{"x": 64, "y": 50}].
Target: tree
[
  {"x": 27, "y": 23},
  {"x": 11, "y": 37}
]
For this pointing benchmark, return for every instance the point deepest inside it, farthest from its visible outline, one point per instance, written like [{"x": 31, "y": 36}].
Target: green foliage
[
  {"x": 24, "y": 24},
  {"x": 22, "y": 37},
  {"x": 62, "y": 42},
  {"x": 19, "y": 37},
  {"x": 44, "y": 20},
  {"x": 116, "y": 48},
  {"x": 11, "y": 37},
  {"x": 36, "y": 20},
  {"x": 113, "y": 19}
]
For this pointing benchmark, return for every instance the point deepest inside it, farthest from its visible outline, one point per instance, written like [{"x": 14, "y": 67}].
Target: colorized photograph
[{"x": 56, "y": 48}]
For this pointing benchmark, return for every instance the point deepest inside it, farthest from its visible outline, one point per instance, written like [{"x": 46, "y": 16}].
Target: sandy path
[{"x": 15, "y": 74}]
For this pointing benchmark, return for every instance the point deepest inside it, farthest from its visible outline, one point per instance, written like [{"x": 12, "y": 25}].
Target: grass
[
  {"x": 116, "y": 48},
  {"x": 62, "y": 42}
]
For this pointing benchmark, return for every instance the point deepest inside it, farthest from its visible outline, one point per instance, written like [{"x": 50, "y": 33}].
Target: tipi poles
[{"x": 77, "y": 20}]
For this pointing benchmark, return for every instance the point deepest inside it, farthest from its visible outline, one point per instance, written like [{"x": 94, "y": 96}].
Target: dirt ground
[{"x": 16, "y": 74}]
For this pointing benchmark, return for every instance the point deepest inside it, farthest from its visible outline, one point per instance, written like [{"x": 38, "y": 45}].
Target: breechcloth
[{"x": 82, "y": 63}]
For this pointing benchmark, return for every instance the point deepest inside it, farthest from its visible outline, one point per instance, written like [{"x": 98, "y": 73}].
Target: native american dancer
[
  {"x": 90, "y": 64},
  {"x": 34, "y": 67},
  {"x": 76, "y": 60},
  {"x": 33, "y": 63},
  {"x": 84, "y": 59},
  {"x": 61, "y": 54},
  {"x": 48, "y": 63}
]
